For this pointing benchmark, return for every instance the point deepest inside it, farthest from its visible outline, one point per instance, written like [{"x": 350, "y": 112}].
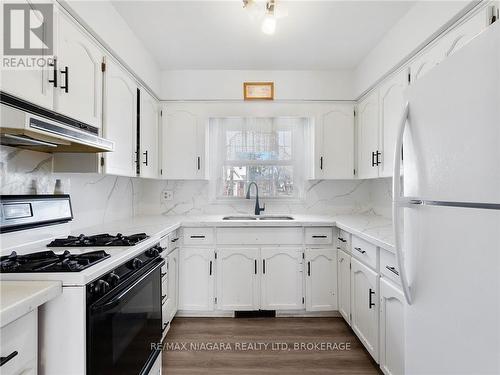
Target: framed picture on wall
[{"x": 258, "y": 90}]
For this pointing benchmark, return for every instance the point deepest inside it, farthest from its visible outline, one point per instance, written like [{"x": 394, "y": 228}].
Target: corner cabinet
[
  {"x": 120, "y": 120},
  {"x": 183, "y": 142},
  {"x": 344, "y": 284},
  {"x": 196, "y": 279},
  {"x": 334, "y": 143},
  {"x": 321, "y": 279},
  {"x": 364, "y": 306},
  {"x": 367, "y": 117},
  {"x": 392, "y": 327}
]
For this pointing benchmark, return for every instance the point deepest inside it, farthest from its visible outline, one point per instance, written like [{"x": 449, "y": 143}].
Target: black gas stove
[
  {"x": 48, "y": 261},
  {"x": 104, "y": 239}
]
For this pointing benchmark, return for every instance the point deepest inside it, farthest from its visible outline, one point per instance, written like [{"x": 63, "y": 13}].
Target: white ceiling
[{"x": 316, "y": 35}]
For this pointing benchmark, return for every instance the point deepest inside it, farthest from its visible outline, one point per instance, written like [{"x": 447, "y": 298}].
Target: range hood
[{"x": 31, "y": 127}]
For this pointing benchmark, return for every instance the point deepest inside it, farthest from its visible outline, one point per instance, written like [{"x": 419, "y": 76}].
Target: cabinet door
[
  {"x": 149, "y": 135},
  {"x": 364, "y": 309},
  {"x": 182, "y": 154},
  {"x": 344, "y": 285},
  {"x": 173, "y": 282},
  {"x": 29, "y": 84},
  {"x": 392, "y": 103},
  {"x": 281, "y": 279},
  {"x": 196, "y": 279},
  {"x": 120, "y": 108},
  {"x": 321, "y": 279},
  {"x": 367, "y": 122},
  {"x": 80, "y": 79},
  {"x": 391, "y": 328},
  {"x": 238, "y": 280},
  {"x": 336, "y": 143}
]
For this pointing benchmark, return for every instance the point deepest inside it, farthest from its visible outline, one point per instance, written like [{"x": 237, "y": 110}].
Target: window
[{"x": 264, "y": 150}]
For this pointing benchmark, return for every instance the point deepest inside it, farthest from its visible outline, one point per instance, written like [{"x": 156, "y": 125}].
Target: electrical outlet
[{"x": 167, "y": 195}]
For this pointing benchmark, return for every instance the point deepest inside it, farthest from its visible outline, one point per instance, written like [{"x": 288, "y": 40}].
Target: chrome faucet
[{"x": 258, "y": 209}]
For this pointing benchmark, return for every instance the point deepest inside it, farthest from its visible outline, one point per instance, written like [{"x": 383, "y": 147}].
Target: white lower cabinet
[
  {"x": 196, "y": 279},
  {"x": 344, "y": 284},
  {"x": 364, "y": 306},
  {"x": 282, "y": 279},
  {"x": 173, "y": 283},
  {"x": 238, "y": 279},
  {"x": 391, "y": 328},
  {"x": 321, "y": 279},
  {"x": 18, "y": 344}
]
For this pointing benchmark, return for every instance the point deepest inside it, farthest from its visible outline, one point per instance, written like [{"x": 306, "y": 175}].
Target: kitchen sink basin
[
  {"x": 242, "y": 218},
  {"x": 239, "y": 218},
  {"x": 275, "y": 218}
]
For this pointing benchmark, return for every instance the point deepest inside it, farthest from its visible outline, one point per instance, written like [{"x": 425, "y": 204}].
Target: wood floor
[{"x": 199, "y": 356}]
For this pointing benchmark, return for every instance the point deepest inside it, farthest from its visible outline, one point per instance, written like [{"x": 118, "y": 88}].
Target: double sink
[{"x": 263, "y": 217}]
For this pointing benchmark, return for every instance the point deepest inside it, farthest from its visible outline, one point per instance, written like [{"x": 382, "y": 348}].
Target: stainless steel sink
[
  {"x": 239, "y": 218},
  {"x": 270, "y": 217},
  {"x": 275, "y": 218}
]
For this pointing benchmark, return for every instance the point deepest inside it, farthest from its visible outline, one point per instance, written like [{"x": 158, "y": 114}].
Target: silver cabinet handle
[{"x": 360, "y": 250}]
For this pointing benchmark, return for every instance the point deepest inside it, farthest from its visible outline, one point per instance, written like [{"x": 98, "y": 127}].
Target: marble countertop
[{"x": 18, "y": 298}]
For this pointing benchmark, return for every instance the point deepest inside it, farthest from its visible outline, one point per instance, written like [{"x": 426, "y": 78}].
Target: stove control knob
[
  {"x": 113, "y": 279},
  {"x": 135, "y": 263},
  {"x": 153, "y": 252},
  {"x": 100, "y": 287}
]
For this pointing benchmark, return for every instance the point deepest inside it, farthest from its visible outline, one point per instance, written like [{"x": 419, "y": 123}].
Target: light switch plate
[{"x": 167, "y": 195}]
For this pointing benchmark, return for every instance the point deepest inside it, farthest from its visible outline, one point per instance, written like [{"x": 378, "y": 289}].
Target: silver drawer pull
[
  {"x": 393, "y": 270},
  {"x": 360, "y": 250}
]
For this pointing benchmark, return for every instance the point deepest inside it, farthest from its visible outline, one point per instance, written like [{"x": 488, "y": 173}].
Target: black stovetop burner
[
  {"x": 98, "y": 240},
  {"x": 48, "y": 261}
]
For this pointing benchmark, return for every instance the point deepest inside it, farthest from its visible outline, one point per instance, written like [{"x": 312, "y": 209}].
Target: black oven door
[{"x": 122, "y": 328}]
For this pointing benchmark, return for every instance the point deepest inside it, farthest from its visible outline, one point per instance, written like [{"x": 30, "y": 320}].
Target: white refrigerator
[{"x": 446, "y": 214}]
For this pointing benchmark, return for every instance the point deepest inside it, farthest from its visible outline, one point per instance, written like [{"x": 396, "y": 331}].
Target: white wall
[
  {"x": 228, "y": 84},
  {"x": 103, "y": 19},
  {"x": 421, "y": 22}
]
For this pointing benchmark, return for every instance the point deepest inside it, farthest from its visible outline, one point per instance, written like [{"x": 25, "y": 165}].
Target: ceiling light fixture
[
  {"x": 268, "y": 26},
  {"x": 266, "y": 15}
]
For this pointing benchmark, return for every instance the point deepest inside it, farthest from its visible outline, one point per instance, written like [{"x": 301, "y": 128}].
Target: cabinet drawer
[
  {"x": 389, "y": 265},
  {"x": 198, "y": 236},
  {"x": 164, "y": 289},
  {"x": 165, "y": 316},
  {"x": 344, "y": 241},
  {"x": 319, "y": 236},
  {"x": 20, "y": 336},
  {"x": 364, "y": 251},
  {"x": 164, "y": 271},
  {"x": 174, "y": 240},
  {"x": 259, "y": 236}
]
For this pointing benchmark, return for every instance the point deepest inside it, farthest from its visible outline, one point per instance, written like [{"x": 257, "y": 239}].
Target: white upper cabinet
[
  {"x": 238, "y": 279},
  {"x": 321, "y": 279},
  {"x": 182, "y": 142},
  {"x": 281, "y": 279},
  {"x": 368, "y": 132},
  {"x": 364, "y": 306},
  {"x": 392, "y": 103},
  {"x": 79, "y": 59},
  {"x": 391, "y": 328},
  {"x": 334, "y": 143},
  {"x": 29, "y": 84},
  {"x": 120, "y": 120},
  {"x": 149, "y": 119},
  {"x": 196, "y": 279},
  {"x": 344, "y": 284}
]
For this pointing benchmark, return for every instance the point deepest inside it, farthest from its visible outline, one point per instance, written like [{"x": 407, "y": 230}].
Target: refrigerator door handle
[{"x": 398, "y": 201}]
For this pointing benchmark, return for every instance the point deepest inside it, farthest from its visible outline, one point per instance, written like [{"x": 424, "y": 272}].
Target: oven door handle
[{"x": 113, "y": 302}]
